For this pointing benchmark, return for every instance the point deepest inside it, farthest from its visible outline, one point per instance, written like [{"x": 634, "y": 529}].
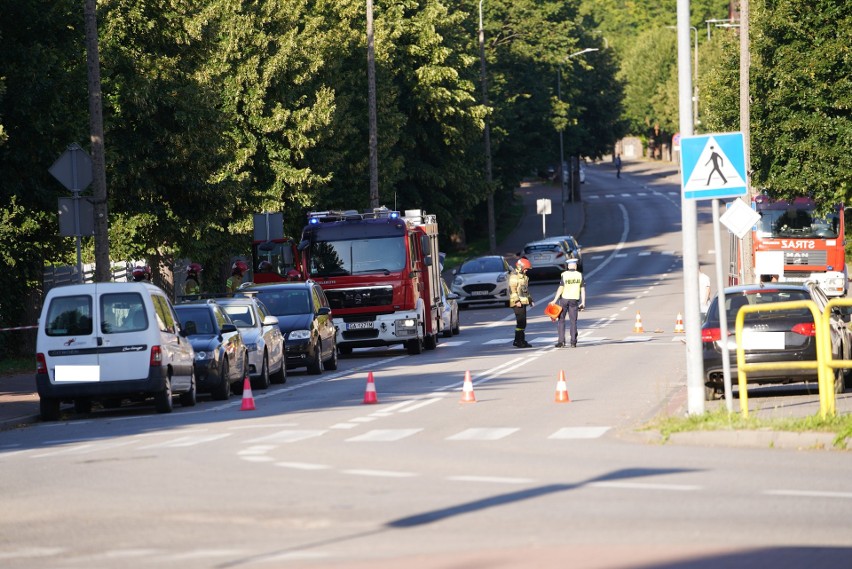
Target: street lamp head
[{"x": 581, "y": 52}]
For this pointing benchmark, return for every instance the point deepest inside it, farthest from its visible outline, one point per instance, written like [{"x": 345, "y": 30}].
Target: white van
[{"x": 110, "y": 341}]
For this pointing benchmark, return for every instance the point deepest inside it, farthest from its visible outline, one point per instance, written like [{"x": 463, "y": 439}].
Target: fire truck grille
[
  {"x": 359, "y": 297},
  {"x": 796, "y": 257}
]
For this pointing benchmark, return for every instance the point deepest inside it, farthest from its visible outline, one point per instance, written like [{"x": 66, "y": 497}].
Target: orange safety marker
[
  {"x": 679, "y": 329},
  {"x": 562, "y": 389},
  {"x": 467, "y": 390},
  {"x": 248, "y": 398},
  {"x": 637, "y": 326},
  {"x": 370, "y": 393}
]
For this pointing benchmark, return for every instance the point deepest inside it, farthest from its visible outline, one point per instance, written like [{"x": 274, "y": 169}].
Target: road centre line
[{"x": 809, "y": 494}]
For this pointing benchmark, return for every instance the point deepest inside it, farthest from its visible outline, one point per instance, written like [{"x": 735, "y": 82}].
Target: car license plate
[
  {"x": 359, "y": 325},
  {"x": 539, "y": 257},
  {"x": 763, "y": 340},
  {"x": 479, "y": 293}
]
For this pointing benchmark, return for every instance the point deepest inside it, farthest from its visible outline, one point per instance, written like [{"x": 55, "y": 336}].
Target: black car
[
  {"x": 771, "y": 336},
  {"x": 221, "y": 357},
  {"x": 305, "y": 319}
]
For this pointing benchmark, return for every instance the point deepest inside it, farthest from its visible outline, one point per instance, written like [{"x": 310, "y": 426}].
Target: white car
[
  {"x": 450, "y": 312},
  {"x": 262, "y": 337},
  {"x": 482, "y": 280},
  {"x": 548, "y": 257}
]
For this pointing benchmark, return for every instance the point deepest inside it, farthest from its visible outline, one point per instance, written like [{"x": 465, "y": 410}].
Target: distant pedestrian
[
  {"x": 519, "y": 300},
  {"x": 571, "y": 296},
  {"x": 618, "y": 165}
]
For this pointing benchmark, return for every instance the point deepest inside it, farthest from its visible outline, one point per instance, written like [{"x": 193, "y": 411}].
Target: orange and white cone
[
  {"x": 248, "y": 398},
  {"x": 370, "y": 393},
  {"x": 562, "y": 389},
  {"x": 637, "y": 326},
  {"x": 467, "y": 390},
  {"x": 679, "y": 329}
]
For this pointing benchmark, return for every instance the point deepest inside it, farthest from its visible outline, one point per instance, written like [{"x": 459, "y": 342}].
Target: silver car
[
  {"x": 482, "y": 280},
  {"x": 548, "y": 257},
  {"x": 450, "y": 312},
  {"x": 262, "y": 337}
]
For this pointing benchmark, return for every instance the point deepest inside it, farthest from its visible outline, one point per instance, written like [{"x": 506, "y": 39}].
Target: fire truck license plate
[{"x": 359, "y": 325}]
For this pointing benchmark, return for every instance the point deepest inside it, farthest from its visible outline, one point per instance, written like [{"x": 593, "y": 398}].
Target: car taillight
[
  {"x": 558, "y": 255},
  {"x": 805, "y": 329},
  {"x": 156, "y": 356},
  {"x": 41, "y": 364},
  {"x": 711, "y": 334}
]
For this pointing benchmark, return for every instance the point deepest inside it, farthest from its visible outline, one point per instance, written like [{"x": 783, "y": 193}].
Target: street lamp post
[
  {"x": 695, "y": 78},
  {"x": 561, "y": 145},
  {"x": 492, "y": 232}
]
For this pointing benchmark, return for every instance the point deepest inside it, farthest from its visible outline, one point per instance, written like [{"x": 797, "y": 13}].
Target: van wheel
[
  {"x": 315, "y": 365},
  {"x": 430, "y": 342},
  {"x": 48, "y": 408},
  {"x": 222, "y": 391},
  {"x": 83, "y": 406},
  {"x": 712, "y": 393},
  {"x": 414, "y": 346},
  {"x": 281, "y": 375},
  {"x": 331, "y": 363},
  {"x": 189, "y": 398},
  {"x": 263, "y": 380},
  {"x": 163, "y": 402}
]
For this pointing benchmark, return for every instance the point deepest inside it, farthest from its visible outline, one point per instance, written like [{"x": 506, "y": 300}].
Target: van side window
[
  {"x": 165, "y": 316},
  {"x": 69, "y": 316},
  {"x": 122, "y": 312}
]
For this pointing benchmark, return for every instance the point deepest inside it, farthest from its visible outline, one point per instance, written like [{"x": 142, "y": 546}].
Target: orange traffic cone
[
  {"x": 248, "y": 398},
  {"x": 562, "y": 389},
  {"x": 467, "y": 390},
  {"x": 637, "y": 327},
  {"x": 370, "y": 393},
  {"x": 679, "y": 329}
]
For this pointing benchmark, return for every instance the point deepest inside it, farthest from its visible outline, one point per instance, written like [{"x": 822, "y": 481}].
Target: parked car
[
  {"x": 109, "y": 341},
  {"x": 221, "y": 358},
  {"x": 575, "y": 251},
  {"x": 305, "y": 319},
  {"x": 262, "y": 337},
  {"x": 771, "y": 336},
  {"x": 482, "y": 280},
  {"x": 548, "y": 257},
  {"x": 450, "y": 311}
]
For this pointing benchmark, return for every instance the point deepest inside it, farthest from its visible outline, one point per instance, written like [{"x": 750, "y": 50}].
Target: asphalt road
[{"x": 316, "y": 478}]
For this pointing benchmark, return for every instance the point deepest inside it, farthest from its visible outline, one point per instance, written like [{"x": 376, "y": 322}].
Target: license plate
[
  {"x": 763, "y": 340},
  {"x": 539, "y": 257},
  {"x": 479, "y": 293},
  {"x": 359, "y": 325}
]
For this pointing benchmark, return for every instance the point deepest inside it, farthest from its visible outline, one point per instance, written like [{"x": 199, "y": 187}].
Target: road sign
[
  {"x": 713, "y": 166},
  {"x": 739, "y": 218},
  {"x": 73, "y": 169}
]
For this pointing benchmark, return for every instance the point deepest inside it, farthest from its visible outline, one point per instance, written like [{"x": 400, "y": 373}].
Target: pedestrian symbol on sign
[{"x": 713, "y": 166}]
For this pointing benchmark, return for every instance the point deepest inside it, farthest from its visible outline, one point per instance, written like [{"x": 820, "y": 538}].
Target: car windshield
[
  {"x": 483, "y": 265},
  {"x": 243, "y": 316},
  {"x": 357, "y": 256},
  {"x": 543, "y": 248},
  {"x": 797, "y": 221},
  {"x": 200, "y": 315},
  {"x": 735, "y": 301},
  {"x": 286, "y": 302}
]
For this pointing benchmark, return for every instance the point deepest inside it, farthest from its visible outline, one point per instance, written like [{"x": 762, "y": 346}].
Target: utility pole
[
  {"x": 492, "y": 232},
  {"x": 745, "y": 113},
  {"x": 103, "y": 268},
  {"x": 371, "y": 95}
]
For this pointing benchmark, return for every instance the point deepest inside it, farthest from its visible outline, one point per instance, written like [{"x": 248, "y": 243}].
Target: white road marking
[
  {"x": 490, "y": 479},
  {"x": 810, "y": 494},
  {"x": 644, "y": 486},
  {"x": 482, "y": 434},
  {"x": 381, "y": 473},
  {"x": 423, "y": 403},
  {"x": 579, "y": 433},
  {"x": 302, "y": 465},
  {"x": 344, "y": 426},
  {"x": 384, "y": 435},
  {"x": 182, "y": 442},
  {"x": 288, "y": 436},
  {"x": 498, "y": 341}
]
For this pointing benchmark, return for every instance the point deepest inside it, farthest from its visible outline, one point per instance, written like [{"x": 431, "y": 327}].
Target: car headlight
[
  {"x": 201, "y": 356},
  {"x": 299, "y": 335},
  {"x": 502, "y": 277},
  {"x": 458, "y": 281},
  {"x": 251, "y": 347}
]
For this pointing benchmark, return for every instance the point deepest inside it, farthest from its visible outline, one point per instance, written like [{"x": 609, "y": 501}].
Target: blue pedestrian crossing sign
[{"x": 713, "y": 166}]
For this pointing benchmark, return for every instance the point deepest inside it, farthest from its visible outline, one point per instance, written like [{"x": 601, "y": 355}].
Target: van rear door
[
  {"x": 126, "y": 334},
  {"x": 70, "y": 335}
]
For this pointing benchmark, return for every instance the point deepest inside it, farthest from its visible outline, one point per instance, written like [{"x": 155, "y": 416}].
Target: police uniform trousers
[{"x": 571, "y": 308}]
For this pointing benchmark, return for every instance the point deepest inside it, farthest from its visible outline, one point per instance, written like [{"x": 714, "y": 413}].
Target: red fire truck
[
  {"x": 802, "y": 241},
  {"x": 381, "y": 273},
  {"x": 271, "y": 246}
]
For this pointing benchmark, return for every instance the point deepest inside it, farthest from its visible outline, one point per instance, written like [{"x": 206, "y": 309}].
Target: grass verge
[{"x": 721, "y": 420}]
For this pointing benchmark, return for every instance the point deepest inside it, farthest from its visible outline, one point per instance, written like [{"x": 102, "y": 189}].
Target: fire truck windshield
[
  {"x": 357, "y": 256},
  {"x": 797, "y": 222}
]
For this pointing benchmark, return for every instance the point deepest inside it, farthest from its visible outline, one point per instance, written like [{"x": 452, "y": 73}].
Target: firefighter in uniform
[
  {"x": 571, "y": 296},
  {"x": 519, "y": 300},
  {"x": 192, "y": 286},
  {"x": 238, "y": 270},
  {"x": 141, "y": 274}
]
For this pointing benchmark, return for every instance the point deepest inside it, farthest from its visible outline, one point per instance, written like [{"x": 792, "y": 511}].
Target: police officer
[
  {"x": 519, "y": 300},
  {"x": 192, "y": 286},
  {"x": 571, "y": 296},
  {"x": 238, "y": 270}
]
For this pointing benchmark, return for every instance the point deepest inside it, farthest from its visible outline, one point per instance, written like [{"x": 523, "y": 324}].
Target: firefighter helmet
[
  {"x": 193, "y": 269},
  {"x": 239, "y": 268},
  {"x": 523, "y": 264},
  {"x": 141, "y": 273}
]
